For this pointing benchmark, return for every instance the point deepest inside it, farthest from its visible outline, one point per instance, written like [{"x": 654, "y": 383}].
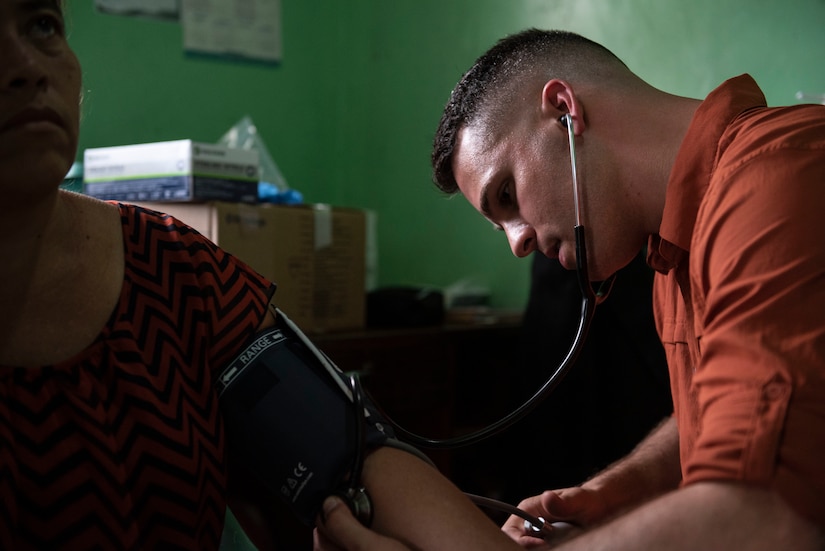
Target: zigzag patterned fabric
[{"x": 122, "y": 447}]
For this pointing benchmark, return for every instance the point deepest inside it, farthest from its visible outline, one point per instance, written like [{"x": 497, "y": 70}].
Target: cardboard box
[
  {"x": 316, "y": 254},
  {"x": 180, "y": 170}
]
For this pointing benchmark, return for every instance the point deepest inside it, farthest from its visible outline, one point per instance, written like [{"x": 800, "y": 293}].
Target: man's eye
[{"x": 505, "y": 198}]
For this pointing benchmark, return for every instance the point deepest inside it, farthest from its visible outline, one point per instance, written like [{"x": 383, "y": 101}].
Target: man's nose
[{"x": 522, "y": 238}]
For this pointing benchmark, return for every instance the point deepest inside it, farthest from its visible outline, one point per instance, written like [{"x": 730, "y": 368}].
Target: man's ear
[{"x": 558, "y": 99}]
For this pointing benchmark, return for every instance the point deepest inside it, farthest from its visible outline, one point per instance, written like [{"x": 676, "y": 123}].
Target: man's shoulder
[{"x": 771, "y": 130}]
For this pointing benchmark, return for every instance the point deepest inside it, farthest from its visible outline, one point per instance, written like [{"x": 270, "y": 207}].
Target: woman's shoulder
[{"x": 89, "y": 206}]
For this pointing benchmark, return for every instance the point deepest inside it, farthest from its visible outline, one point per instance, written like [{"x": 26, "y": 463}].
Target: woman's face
[{"x": 39, "y": 96}]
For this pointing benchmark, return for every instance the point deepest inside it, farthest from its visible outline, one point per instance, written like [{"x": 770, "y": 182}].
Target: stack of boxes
[{"x": 316, "y": 254}]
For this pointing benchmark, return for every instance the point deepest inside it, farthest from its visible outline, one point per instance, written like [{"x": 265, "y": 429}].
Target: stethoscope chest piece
[{"x": 359, "y": 502}]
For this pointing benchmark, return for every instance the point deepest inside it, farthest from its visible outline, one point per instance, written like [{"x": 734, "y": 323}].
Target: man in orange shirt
[{"x": 729, "y": 197}]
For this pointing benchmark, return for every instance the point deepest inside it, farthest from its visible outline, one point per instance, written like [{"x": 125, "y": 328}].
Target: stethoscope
[{"x": 590, "y": 299}]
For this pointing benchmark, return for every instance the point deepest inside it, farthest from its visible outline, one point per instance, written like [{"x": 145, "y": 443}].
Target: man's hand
[
  {"x": 576, "y": 506},
  {"x": 338, "y": 529}
]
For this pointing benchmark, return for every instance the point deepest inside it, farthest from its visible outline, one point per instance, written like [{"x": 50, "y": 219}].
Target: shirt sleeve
[
  {"x": 232, "y": 297},
  {"x": 237, "y": 305},
  {"x": 758, "y": 278}
]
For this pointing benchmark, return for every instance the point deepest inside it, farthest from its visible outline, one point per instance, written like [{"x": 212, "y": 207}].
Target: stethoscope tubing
[
  {"x": 589, "y": 300},
  {"x": 588, "y": 308}
]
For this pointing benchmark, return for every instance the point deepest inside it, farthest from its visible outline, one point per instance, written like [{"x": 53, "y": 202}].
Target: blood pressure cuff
[{"x": 291, "y": 421}]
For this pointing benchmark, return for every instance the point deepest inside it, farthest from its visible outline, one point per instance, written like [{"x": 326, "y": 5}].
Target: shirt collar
[{"x": 695, "y": 162}]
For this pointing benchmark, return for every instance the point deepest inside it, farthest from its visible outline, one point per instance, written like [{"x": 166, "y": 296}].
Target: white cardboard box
[{"x": 174, "y": 171}]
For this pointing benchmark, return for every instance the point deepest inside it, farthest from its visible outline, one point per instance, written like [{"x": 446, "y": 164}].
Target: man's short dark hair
[{"x": 511, "y": 57}]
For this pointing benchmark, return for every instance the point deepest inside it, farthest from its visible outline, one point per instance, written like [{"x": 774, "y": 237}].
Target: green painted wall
[{"x": 349, "y": 114}]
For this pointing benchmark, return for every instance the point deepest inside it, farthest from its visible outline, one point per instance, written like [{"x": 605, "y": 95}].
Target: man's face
[
  {"x": 518, "y": 177},
  {"x": 39, "y": 95}
]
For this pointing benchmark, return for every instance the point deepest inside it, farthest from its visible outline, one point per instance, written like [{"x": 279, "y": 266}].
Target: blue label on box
[{"x": 174, "y": 188}]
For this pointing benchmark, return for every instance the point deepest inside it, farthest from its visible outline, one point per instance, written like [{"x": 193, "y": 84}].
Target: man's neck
[{"x": 650, "y": 136}]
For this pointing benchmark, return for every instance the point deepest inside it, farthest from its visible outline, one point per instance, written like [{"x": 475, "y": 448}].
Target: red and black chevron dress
[{"x": 122, "y": 446}]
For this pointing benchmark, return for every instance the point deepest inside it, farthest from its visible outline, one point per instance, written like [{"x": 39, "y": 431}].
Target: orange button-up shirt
[{"x": 740, "y": 295}]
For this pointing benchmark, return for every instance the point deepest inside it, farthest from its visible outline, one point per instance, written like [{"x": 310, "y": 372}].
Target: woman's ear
[{"x": 557, "y": 100}]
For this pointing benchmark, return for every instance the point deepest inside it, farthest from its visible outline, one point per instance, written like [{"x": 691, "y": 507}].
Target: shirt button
[{"x": 774, "y": 391}]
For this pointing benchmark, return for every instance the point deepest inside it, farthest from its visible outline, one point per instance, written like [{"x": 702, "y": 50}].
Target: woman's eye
[{"x": 47, "y": 26}]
